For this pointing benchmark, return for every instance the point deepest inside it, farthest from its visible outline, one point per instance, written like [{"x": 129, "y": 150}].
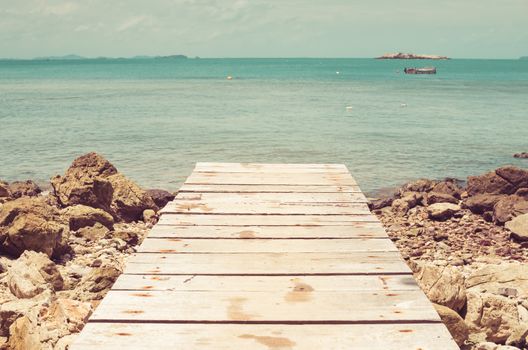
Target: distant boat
[{"x": 425, "y": 70}]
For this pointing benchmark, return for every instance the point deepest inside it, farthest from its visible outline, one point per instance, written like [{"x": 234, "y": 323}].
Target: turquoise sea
[{"x": 154, "y": 118}]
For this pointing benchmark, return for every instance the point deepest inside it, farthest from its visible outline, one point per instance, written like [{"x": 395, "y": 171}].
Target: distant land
[
  {"x": 410, "y": 56},
  {"x": 523, "y": 58},
  {"x": 77, "y": 57}
]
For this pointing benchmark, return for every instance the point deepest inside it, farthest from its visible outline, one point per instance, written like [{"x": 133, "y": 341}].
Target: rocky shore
[
  {"x": 467, "y": 246},
  {"x": 60, "y": 252}
]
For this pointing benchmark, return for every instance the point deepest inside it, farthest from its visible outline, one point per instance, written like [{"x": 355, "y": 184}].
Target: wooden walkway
[{"x": 266, "y": 256}]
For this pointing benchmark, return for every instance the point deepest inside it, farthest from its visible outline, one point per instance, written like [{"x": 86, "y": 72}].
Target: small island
[{"x": 410, "y": 56}]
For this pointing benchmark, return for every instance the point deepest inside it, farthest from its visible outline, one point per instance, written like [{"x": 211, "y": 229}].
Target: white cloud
[
  {"x": 60, "y": 9},
  {"x": 131, "y": 22}
]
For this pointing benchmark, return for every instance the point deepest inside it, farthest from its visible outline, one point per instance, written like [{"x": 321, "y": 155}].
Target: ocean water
[{"x": 154, "y": 118}]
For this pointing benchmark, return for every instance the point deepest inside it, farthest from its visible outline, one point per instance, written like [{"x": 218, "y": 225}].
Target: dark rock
[
  {"x": 380, "y": 203},
  {"x": 4, "y": 190},
  {"x": 80, "y": 216},
  {"x": 161, "y": 197},
  {"x": 481, "y": 203},
  {"x": 516, "y": 176},
  {"x": 509, "y": 207},
  {"x": 24, "y": 189},
  {"x": 449, "y": 187},
  {"x": 421, "y": 185},
  {"x": 490, "y": 183},
  {"x": 521, "y": 155},
  {"x": 438, "y": 197}
]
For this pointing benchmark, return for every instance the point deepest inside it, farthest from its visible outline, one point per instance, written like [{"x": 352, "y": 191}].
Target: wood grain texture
[
  {"x": 215, "y": 188},
  {"x": 300, "y": 178}
]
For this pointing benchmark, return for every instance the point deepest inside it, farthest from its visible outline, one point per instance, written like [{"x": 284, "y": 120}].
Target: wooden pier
[{"x": 271, "y": 257}]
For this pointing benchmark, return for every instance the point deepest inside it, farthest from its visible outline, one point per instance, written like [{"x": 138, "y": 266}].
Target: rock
[
  {"x": 29, "y": 224},
  {"x": 492, "y": 346},
  {"x": 516, "y": 176},
  {"x": 521, "y": 155},
  {"x": 407, "y": 201},
  {"x": 12, "y": 309},
  {"x": 490, "y": 183},
  {"x": 509, "y": 207},
  {"x": 518, "y": 337},
  {"x": 32, "y": 273},
  {"x": 438, "y": 197},
  {"x": 93, "y": 233},
  {"x": 70, "y": 314},
  {"x": 80, "y": 216},
  {"x": 454, "y": 323},
  {"x": 91, "y": 180},
  {"x": 442, "y": 211},
  {"x": 96, "y": 283},
  {"x": 495, "y": 315},
  {"x": 443, "y": 285},
  {"x": 518, "y": 227},
  {"x": 65, "y": 342},
  {"x": 160, "y": 197},
  {"x": 150, "y": 217},
  {"x": 449, "y": 187},
  {"x": 493, "y": 277},
  {"x": 380, "y": 203},
  {"x": 24, "y": 335},
  {"x": 421, "y": 185},
  {"x": 24, "y": 188},
  {"x": 4, "y": 190},
  {"x": 481, "y": 203}
]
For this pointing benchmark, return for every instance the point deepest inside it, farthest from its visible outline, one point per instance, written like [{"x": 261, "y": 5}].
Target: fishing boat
[{"x": 425, "y": 70}]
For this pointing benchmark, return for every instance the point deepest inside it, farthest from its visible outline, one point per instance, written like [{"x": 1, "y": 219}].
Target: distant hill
[
  {"x": 65, "y": 57},
  {"x": 77, "y": 57},
  {"x": 523, "y": 58},
  {"x": 410, "y": 56}
]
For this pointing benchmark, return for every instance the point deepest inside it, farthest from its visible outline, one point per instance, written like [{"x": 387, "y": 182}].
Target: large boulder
[
  {"x": 442, "y": 211},
  {"x": 24, "y": 188},
  {"x": 439, "y": 197},
  {"x": 519, "y": 227},
  {"x": 68, "y": 315},
  {"x": 160, "y": 197},
  {"x": 516, "y": 176},
  {"x": 443, "y": 285},
  {"x": 494, "y": 315},
  {"x": 33, "y": 273},
  {"x": 448, "y": 187},
  {"x": 481, "y": 203},
  {"x": 454, "y": 323},
  {"x": 93, "y": 181},
  {"x": 494, "y": 278},
  {"x": 407, "y": 201},
  {"x": 96, "y": 283},
  {"x": 509, "y": 207},
  {"x": 29, "y": 223},
  {"x": 488, "y": 183},
  {"x": 421, "y": 185},
  {"x": 80, "y": 216},
  {"x": 4, "y": 190},
  {"x": 24, "y": 335}
]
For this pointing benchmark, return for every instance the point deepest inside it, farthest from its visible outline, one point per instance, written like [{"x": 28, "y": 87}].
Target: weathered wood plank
[
  {"x": 112, "y": 336},
  {"x": 337, "y": 197},
  {"x": 280, "y": 208},
  {"x": 263, "y": 220},
  {"x": 358, "y": 230},
  {"x": 264, "y": 283},
  {"x": 267, "y": 263},
  {"x": 299, "y": 305},
  {"x": 176, "y": 245},
  {"x": 269, "y": 188},
  {"x": 270, "y": 179},
  {"x": 258, "y": 167}
]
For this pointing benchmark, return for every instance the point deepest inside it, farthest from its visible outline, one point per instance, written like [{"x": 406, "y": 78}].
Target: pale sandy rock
[
  {"x": 69, "y": 315},
  {"x": 454, "y": 323},
  {"x": 407, "y": 201},
  {"x": 495, "y": 315},
  {"x": 442, "y": 211},
  {"x": 519, "y": 227},
  {"x": 493, "y": 277},
  {"x": 443, "y": 285},
  {"x": 96, "y": 283},
  {"x": 518, "y": 336},
  {"x": 149, "y": 216},
  {"x": 24, "y": 335},
  {"x": 93, "y": 233},
  {"x": 64, "y": 342}
]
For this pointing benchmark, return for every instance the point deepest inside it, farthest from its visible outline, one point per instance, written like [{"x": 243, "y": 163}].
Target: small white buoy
[
  {"x": 337, "y": 72},
  {"x": 403, "y": 105},
  {"x": 348, "y": 108},
  {"x": 229, "y": 77}
]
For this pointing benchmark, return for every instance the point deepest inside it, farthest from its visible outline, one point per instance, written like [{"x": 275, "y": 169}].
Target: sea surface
[{"x": 154, "y": 118}]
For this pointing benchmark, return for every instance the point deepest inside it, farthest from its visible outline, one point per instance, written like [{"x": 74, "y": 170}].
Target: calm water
[{"x": 154, "y": 118}]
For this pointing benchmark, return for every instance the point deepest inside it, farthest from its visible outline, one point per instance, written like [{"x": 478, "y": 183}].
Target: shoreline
[{"x": 455, "y": 235}]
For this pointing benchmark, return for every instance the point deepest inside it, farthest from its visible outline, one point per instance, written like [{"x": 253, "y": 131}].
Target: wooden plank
[
  {"x": 267, "y": 263},
  {"x": 270, "y": 179},
  {"x": 112, "y": 336},
  {"x": 176, "y": 245},
  {"x": 337, "y": 197},
  {"x": 263, "y": 220},
  {"x": 259, "y": 167},
  {"x": 264, "y": 283},
  {"x": 302, "y": 305},
  {"x": 280, "y": 208},
  {"x": 215, "y": 188},
  {"x": 358, "y": 230}
]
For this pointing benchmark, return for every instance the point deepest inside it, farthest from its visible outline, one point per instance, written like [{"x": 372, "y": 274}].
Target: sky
[{"x": 264, "y": 28}]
